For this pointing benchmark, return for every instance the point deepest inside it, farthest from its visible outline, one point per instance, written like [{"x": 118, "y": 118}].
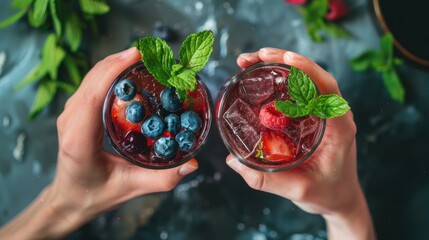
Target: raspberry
[
  {"x": 337, "y": 10},
  {"x": 271, "y": 118}
]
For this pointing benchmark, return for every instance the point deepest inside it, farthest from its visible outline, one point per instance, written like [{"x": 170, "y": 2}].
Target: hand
[
  {"x": 327, "y": 182},
  {"x": 90, "y": 180}
]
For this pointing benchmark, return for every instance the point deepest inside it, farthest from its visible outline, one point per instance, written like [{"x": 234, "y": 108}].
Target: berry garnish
[
  {"x": 170, "y": 100},
  {"x": 277, "y": 146},
  {"x": 119, "y": 109},
  {"x": 153, "y": 126},
  {"x": 134, "y": 142},
  {"x": 186, "y": 140},
  {"x": 125, "y": 90},
  {"x": 165, "y": 147},
  {"x": 271, "y": 118},
  {"x": 189, "y": 120},
  {"x": 337, "y": 10},
  {"x": 173, "y": 123},
  {"x": 135, "y": 112}
]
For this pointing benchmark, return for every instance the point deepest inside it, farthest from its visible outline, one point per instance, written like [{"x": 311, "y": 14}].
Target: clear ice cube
[
  {"x": 257, "y": 89},
  {"x": 244, "y": 123},
  {"x": 308, "y": 126}
]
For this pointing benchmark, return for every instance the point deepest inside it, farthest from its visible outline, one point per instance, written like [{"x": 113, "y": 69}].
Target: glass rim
[
  {"x": 219, "y": 112},
  {"x": 204, "y": 135}
]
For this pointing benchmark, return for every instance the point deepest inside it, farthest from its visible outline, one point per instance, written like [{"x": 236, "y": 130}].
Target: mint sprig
[
  {"x": 314, "y": 17},
  {"x": 306, "y": 101},
  {"x": 384, "y": 62},
  {"x": 194, "y": 53}
]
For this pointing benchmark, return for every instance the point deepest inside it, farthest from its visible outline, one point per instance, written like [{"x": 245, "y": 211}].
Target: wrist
[{"x": 353, "y": 222}]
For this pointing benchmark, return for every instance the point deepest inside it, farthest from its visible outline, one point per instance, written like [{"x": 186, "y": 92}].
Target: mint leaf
[
  {"x": 12, "y": 19},
  {"x": 73, "y": 70},
  {"x": 184, "y": 81},
  {"x": 291, "y": 109},
  {"x": 393, "y": 84},
  {"x": 94, "y": 7},
  {"x": 195, "y": 50},
  {"x": 39, "y": 13},
  {"x": 158, "y": 58},
  {"x": 329, "y": 106},
  {"x": 44, "y": 95},
  {"x": 386, "y": 43},
  {"x": 335, "y": 30},
  {"x": 21, "y": 4},
  {"x": 54, "y": 16},
  {"x": 73, "y": 32},
  {"x": 52, "y": 55},
  {"x": 39, "y": 71},
  {"x": 301, "y": 87},
  {"x": 363, "y": 62}
]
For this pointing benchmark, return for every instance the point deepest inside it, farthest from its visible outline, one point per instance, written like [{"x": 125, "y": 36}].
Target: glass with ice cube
[{"x": 254, "y": 131}]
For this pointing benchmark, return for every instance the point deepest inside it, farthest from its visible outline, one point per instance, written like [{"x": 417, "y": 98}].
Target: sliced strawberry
[
  {"x": 272, "y": 118},
  {"x": 118, "y": 113},
  {"x": 337, "y": 10},
  {"x": 277, "y": 146}
]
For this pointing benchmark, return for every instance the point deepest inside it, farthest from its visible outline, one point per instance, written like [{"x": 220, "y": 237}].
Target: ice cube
[
  {"x": 257, "y": 89},
  {"x": 244, "y": 123},
  {"x": 308, "y": 126}
]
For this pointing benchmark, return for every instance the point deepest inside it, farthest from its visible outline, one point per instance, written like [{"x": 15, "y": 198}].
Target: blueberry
[
  {"x": 166, "y": 147},
  {"x": 190, "y": 121},
  {"x": 186, "y": 140},
  {"x": 135, "y": 112},
  {"x": 125, "y": 90},
  {"x": 134, "y": 142},
  {"x": 173, "y": 123},
  {"x": 153, "y": 126},
  {"x": 170, "y": 100}
]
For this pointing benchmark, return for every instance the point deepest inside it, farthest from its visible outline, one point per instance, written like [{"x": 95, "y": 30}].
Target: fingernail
[
  {"x": 269, "y": 51},
  {"x": 233, "y": 163},
  {"x": 187, "y": 168},
  {"x": 127, "y": 53},
  {"x": 246, "y": 56}
]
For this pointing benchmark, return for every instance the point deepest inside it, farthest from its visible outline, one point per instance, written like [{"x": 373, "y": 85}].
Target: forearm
[
  {"x": 43, "y": 219},
  {"x": 354, "y": 224}
]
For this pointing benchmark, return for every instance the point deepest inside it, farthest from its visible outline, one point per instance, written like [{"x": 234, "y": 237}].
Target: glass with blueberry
[{"x": 148, "y": 123}]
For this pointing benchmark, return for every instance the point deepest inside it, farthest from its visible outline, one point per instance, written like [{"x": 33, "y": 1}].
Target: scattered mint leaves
[
  {"x": 306, "y": 102},
  {"x": 384, "y": 62},
  {"x": 314, "y": 17},
  {"x": 194, "y": 53}
]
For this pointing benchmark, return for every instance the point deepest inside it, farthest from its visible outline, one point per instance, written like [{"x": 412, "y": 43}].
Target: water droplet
[
  {"x": 240, "y": 226},
  {"x": 217, "y": 176},
  {"x": 6, "y": 121},
  {"x": 163, "y": 235},
  {"x": 18, "y": 151},
  {"x": 2, "y": 61},
  {"x": 266, "y": 211},
  {"x": 37, "y": 168}
]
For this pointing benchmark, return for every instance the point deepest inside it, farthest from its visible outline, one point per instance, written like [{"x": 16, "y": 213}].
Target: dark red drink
[
  {"x": 149, "y": 125},
  {"x": 254, "y": 131}
]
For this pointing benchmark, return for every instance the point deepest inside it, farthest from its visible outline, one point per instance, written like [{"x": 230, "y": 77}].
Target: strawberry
[
  {"x": 119, "y": 116},
  {"x": 277, "y": 146},
  {"x": 296, "y": 2},
  {"x": 337, "y": 10},
  {"x": 272, "y": 118}
]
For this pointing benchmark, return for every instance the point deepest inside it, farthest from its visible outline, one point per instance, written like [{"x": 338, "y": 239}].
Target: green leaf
[
  {"x": 301, "y": 87},
  {"x": 34, "y": 75},
  {"x": 55, "y": 19},
  {"x": 185, "y": 80},
  {"x": 318, "y": 8},
  {"x": 73, "y": 71},
  {"x": 291, "y": 109},
  {"x": 335, "y": 30},
  {"x": 94, "y": 7},
  {"x": 329, "y": 106},
  {"x": 52, "y": 55},
  {"x": 21, "y": 4},
  {"x": 393, "y": 84},
  {"x": 386, "y": 43},
  {"x": 39, "y": 13},
  {"x": 196, "y": 50},
  {"x": 12, "y": 19},
  {"x": 66, "y": 87},
  {"x": 158, "y": 58},
  {"x": 44, "y": 95},
  {"x": 73, "y": 32},
  {"x": 363, "y": 62}
]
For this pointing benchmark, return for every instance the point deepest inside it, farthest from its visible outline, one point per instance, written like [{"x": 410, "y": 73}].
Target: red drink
[
  {"x": 151, "y": 134},
  {"x": 253, "y": 131}
]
